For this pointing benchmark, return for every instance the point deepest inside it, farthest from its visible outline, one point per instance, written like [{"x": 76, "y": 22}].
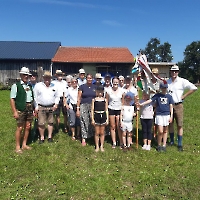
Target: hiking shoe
[
  {"x": 41, "y": 141},
  {"x": 180, "y": 148},
  {"x": 144, "y": 147},
  {"x": 50, "y": 140},
  {"x": 159, "y": 148},
  {"x": 148, "y": 147},
  {"x": 164, "y": 148}
]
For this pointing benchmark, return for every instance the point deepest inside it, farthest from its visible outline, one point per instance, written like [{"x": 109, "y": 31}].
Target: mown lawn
[{"x": 66, "y": 170}]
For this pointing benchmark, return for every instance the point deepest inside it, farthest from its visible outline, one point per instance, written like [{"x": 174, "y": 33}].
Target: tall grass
[{"x": 66, "y": 170}]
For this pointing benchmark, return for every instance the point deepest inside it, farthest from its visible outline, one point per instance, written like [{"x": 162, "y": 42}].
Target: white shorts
[
  {"x": 162, "y": 120},
  {"x": 127, "y": 126}
]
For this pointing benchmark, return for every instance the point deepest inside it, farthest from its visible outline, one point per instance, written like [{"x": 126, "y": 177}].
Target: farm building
[{"x": 16, "y": 54}]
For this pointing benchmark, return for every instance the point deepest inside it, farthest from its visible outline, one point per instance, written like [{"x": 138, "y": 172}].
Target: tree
[
  {"x": 191, "y": 62},
  {"x": 157, "y": 52}
]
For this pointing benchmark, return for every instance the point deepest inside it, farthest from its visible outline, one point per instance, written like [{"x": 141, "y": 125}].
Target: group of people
[{"x": 92, "y": 108}]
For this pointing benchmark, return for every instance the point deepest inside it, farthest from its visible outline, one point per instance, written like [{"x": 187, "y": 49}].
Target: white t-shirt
[
  {"x": 146, "y": 111},
  {"x": 61, "y": 85},
  {"x": 127, "y": 113},
  {"x": 115, "y": 99}
]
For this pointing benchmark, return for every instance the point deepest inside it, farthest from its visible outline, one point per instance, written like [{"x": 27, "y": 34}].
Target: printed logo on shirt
[{"x": 163, "y": 100}]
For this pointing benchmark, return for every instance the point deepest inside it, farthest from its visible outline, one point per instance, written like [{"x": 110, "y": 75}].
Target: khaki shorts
[
  {"x": 45, "y": 115},
  {"x": 26, "y": 115}
]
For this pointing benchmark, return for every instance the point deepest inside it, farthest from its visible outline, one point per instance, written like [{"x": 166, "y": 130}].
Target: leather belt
[
  {"x": 46, "y": 106},
  {"x": 178, "y": 103}
]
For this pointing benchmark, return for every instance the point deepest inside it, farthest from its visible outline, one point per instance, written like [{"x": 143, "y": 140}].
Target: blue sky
[{"x": 102, "y": 23}]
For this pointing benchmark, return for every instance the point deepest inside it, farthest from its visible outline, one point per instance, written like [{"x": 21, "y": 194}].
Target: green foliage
[
  {"x": 157, "y": 52},
  {"x": 66, "y": 170},
  {"x": 191, "y": 63},
  {"x": 5, "y": 87}
]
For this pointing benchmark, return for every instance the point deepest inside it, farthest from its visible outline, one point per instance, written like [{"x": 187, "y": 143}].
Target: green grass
[{"x": 66, "y": 170}]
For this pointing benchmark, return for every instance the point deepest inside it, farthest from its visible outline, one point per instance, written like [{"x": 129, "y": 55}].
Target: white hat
[
  {"x": 59, "y": 72},
  {"x": 98, "y": 75},
  {"x": 81, "y": 71},
  {"x": 25, "y": 70},
  {"x": 121, "y": 77},
  {"x": 174, "y": 68},
  {"x": 47, "y": 74}
]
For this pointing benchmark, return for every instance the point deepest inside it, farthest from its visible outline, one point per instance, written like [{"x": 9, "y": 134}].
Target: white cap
[
  {"x": 25, "y": 70},
  {"x": 98, "y": 75},
  {"x": 59, "y": 72},
  {"x": 121, "y": 77},
  {"x": 174, "y": 68},
  {"x": 81, "y": 71}
]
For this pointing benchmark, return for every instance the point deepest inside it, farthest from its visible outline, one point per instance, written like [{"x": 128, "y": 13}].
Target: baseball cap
[
  {"x": 129, "y": 95},
  {"x": 163, "y": 85}
]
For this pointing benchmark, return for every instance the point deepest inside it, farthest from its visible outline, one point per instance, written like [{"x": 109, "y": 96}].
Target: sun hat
[
  {"x": 47, "y": 74},
  {"x": 155, "y": 70},
  {"x": 163, "y": 85},
  {"x": 59, "y": 72},
  {"x": 25, "y": 70},
  {"x": 129, "y": 95},
  {"x": 174, "y": 68},
  {"x": 98, "y": 75},
  {"x": 121, "y": 77},
  {"x": 81, "y": 71}
]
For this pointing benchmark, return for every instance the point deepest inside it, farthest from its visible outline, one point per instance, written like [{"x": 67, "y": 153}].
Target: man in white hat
[
  {"x": 177, "y": 87},
  {"x": 46, "y": 101},
  {"x": 81, "y": 79},
  {"x": 21, "y": 101},
  {"x": 98, "y": 79},
  {"x": 62, "y": 86}
]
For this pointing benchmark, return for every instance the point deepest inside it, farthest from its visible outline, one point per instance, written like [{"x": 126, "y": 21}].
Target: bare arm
[
  {"x": 92, "y": 112},
  {"x": 78, "y": 103},
  {"x": 188, "y": 93},
  {"x": 146, "y": 102},
  {"x": 14, "y": 110}
]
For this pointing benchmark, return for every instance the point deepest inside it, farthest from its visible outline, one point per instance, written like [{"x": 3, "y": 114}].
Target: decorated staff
[{"x": 141, "y": 66}]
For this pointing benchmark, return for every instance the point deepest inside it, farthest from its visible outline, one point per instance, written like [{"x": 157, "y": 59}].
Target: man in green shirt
[{"x": 21, "y": 98}]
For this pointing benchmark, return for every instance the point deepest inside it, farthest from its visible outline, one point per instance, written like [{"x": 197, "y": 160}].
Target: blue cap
[
  {"x": 129, "y": 95},
  {"x": 163, "y": 85}
]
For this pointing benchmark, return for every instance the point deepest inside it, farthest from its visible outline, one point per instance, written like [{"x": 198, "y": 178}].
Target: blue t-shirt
[
  {"x": 163, "y": 102},
  {"x": 88, "y": 93}
]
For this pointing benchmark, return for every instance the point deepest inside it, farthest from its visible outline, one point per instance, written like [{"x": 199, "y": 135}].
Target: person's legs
[
  {"x": 160, "y": 134},
  {"x": 124, "y": 138},
  {"x": 112, "y": 129},
  {"x": 27, "y": 128},
  {"x": 18, "y": 136},
  {"x": 96, "y": 137},
  {"x": 102, "y": 136},
  {"x": 129, "y": 139},
  {"x": 165, "y": 130},
  {"x": 149, "y": 135},
  {"x": 144, "y": 132},
  {"x": 119, "y": 130}
]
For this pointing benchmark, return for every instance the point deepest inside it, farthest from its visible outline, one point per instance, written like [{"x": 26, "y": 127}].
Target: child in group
[
  {"x": 126, "y": 120},
  {"x": 164, "y": 113},
  {"x": 146, "y": 119},
  {"x": 99, "y": 116}
]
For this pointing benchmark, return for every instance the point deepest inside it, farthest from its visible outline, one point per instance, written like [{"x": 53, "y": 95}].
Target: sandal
[
  {"x": 84, "y": 144},
  {"x": 19, "y": 151},
  {"x": 26, "y": 148},
  {"x": 73, "y": 138}
]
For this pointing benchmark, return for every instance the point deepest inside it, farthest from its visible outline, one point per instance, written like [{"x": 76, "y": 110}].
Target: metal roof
[{"x": 28, "y": 50}]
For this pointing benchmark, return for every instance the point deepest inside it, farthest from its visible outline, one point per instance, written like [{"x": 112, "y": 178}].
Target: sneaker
[
  {"x": 50, "y": 140},
  {"x": 144, "y": 147},
  {"x": 164, "y": 148},
  {"x": 159, "y": 148},
  {"x": 180, "y": 148},
  {"x": 171, "y": 144},
  {"x": 148, "y": 147},
  {"x": 41, "y": 141},
  {"x": 114, "y": 146}
]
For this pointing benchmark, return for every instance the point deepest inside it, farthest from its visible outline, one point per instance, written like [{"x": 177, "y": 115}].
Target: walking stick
[{"x": 137, "y": 118}]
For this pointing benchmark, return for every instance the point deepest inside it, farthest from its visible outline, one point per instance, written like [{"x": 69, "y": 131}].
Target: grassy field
[{"x": 66, "y": 170}]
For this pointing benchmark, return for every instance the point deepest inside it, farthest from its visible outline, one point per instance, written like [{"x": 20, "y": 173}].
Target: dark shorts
[
  {"x": 45, "y": 115},
  {"x": 59, "y": 108},
  {"x": 100, "y": 118},
  {"x": 114, "y": 112},
  {"x": 26, "y": 115}
]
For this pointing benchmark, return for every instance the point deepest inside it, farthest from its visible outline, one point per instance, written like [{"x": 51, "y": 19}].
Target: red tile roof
[{"x": 93, "y": 55}]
